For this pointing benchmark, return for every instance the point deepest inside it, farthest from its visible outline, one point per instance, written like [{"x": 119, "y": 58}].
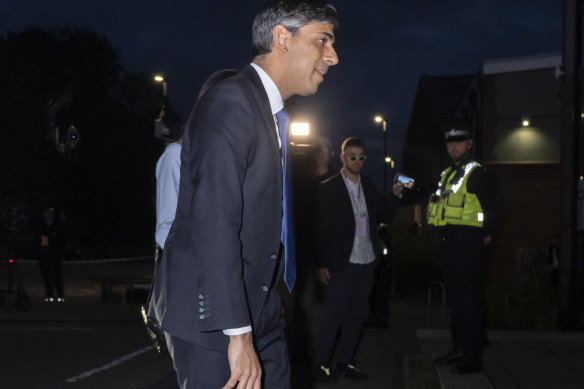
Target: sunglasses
[{"x": 359, "y": 158}]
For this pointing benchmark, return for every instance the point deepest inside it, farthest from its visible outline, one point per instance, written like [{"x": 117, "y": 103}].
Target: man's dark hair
[
  {"x": 352, "y": 142},
  {"x": 292, "y": 14}
]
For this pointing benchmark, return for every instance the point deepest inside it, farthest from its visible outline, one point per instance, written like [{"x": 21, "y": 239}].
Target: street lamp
[
  {"x": 160, "y": 129},
  {"x": 387, "y": 159},
  {"x": 160, "y": 79}
]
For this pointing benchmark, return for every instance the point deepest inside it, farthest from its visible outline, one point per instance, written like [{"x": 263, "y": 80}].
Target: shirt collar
[
  {"x": 274, "y": 96},
  {"x": 349, "y": 181}
]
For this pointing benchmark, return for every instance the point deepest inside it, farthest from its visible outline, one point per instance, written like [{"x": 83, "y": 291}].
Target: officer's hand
[
  {"x": 246, "y": 372},
  {"x": 323, "y": 275},
  {"x": 487, "y": 239}
]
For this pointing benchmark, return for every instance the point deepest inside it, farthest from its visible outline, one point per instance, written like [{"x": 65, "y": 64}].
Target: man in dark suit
[
  {"x": 214, "y": 290},
  {"x": 349, "y": 208}
]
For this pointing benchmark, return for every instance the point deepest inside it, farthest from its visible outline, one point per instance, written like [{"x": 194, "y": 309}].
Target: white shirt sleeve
[
  {"x": 237, "y": 331},
  {"x": 167, "y": 183}
]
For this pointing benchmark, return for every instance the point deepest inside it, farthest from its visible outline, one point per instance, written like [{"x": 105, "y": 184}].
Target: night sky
[{"x": 383, "y": 47}]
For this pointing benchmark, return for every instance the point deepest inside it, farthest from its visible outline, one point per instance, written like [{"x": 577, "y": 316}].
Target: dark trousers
[
  {"x": 52, "y": 272},
  {"x": 347, "y": 296},
  {"x": 461, "y": 254},
  {"x": 201, "y": 368}
]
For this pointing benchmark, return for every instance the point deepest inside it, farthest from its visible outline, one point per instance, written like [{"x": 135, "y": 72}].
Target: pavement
[{"x": 513, "y": 360}]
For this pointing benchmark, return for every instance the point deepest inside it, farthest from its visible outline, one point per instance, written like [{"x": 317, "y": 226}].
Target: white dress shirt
[{"x": 362, "y": 252}]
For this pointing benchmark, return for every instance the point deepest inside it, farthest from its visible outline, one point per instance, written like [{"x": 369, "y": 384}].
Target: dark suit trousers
[
  {"x": 201, "y": 368},
  {"x": 347, "y": 295},
  {"x": 461, "y": 254}
]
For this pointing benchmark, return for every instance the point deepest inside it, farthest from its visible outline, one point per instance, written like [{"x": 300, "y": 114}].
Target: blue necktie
[{"x": 287, "y": 219}]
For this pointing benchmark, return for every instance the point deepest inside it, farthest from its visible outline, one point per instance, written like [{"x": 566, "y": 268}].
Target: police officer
[{"x": 465, "y": 212}]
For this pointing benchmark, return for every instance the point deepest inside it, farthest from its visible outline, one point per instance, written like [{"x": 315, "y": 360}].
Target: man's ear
[{"x": 280, "y": 38}]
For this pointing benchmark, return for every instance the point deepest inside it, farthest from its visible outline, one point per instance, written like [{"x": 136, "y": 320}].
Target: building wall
[
  {"x": 530, "y": 196},
  {"x": 508, "y": 98},
  {"x": 525, "y": 160}
]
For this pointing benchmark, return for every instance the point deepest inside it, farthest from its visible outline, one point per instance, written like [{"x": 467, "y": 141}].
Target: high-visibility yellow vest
[{"x": 452, "y": 204}]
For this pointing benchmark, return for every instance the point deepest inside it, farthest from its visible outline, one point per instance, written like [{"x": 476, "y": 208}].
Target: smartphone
[{"x": 406, "y": 181}]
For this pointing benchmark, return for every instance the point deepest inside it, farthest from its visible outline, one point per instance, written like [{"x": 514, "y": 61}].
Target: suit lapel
[{"x": 263, "y": 103}]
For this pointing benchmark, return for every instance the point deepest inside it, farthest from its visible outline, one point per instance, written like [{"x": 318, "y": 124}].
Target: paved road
[
  {"x": 85, "y": 343},
  {"x": 78, "y": 355}
]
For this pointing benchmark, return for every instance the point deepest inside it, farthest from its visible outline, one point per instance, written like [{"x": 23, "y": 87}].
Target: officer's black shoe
[
  {"x": 468, "y": 364},
  {"x": 348, "y": 370},
  {"x": 452, "y": 357},
  {"x": 322, "y": 373}
]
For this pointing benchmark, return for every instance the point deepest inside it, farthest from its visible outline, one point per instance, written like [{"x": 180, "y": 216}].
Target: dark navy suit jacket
[
  {"x": 336, "y": 220},
  {"x": 220, "y": 260}
]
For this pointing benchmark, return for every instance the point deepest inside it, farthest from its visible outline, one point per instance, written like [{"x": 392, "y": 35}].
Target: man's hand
[
  {"x": 487, "y": 239},
  {"x": 246, "y": 372},
  {"x": 397, "y": 189},
  {"x": 323, "y": 275}
]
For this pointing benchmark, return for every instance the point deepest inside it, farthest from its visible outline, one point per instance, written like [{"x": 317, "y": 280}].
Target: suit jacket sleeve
[
  {"x": 381, "y": 210},
  {"x": 222, "y": 131}
]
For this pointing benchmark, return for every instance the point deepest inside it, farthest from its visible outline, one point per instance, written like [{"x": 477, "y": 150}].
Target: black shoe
[
  {"x": 351, "y": 371},
  {"x": 468, "y": 364},
  {"x": 322, "y": 373},
  {"x": 452, "y": 357}
]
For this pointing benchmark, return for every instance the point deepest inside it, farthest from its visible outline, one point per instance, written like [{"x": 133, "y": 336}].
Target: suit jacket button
[
  {"x": 265, "y": 288},
  {"x": 274, "y": 256},
  {"x": 200, "y": 296},
  {"x": 202, "y": 317},
  {"x": 201, "y": 310}
]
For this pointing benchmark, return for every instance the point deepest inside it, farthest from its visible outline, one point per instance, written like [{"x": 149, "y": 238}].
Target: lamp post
[
  {"x": 160, "y": 79},
  {"x": 387, "y": 160},
  {"x": 160, "y": 129}
]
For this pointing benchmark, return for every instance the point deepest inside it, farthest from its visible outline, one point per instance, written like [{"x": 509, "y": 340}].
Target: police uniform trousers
[
  {"x": 461, "y": 253},
  {"x": 201, "y": 368},
  {"x": 347, "y": 295}
]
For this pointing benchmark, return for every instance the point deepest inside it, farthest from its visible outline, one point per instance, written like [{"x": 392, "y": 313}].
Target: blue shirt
[{"x": 167, "y": 182}]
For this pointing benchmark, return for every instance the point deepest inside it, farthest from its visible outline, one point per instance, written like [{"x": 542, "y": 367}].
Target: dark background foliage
[{"x": 104, "y": 184}]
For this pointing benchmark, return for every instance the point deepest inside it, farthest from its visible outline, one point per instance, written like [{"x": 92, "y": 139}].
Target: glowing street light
[
  {"x": 160, "y": 129},
  {"x": 299, "y": 129},
  {"x": 388, "y": 160},
  {"x": 160, "y": 78},
  {"x": 525, "y": 121}
]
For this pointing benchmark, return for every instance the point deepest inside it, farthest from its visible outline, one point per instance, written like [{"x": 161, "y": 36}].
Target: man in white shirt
[{"x": 349, "y": 209}]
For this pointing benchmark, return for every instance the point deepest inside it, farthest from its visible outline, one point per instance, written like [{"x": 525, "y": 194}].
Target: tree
[{"x": 72, "y": 77}]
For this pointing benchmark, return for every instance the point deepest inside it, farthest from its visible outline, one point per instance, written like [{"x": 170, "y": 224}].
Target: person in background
[
  {"x": 307, "y": 177},
  {"x": 464, "y": 211},
  {"x": 51, "y": 240},
  {"x": 323, "y": 153},
  {"x": 349, "y": 209}
]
